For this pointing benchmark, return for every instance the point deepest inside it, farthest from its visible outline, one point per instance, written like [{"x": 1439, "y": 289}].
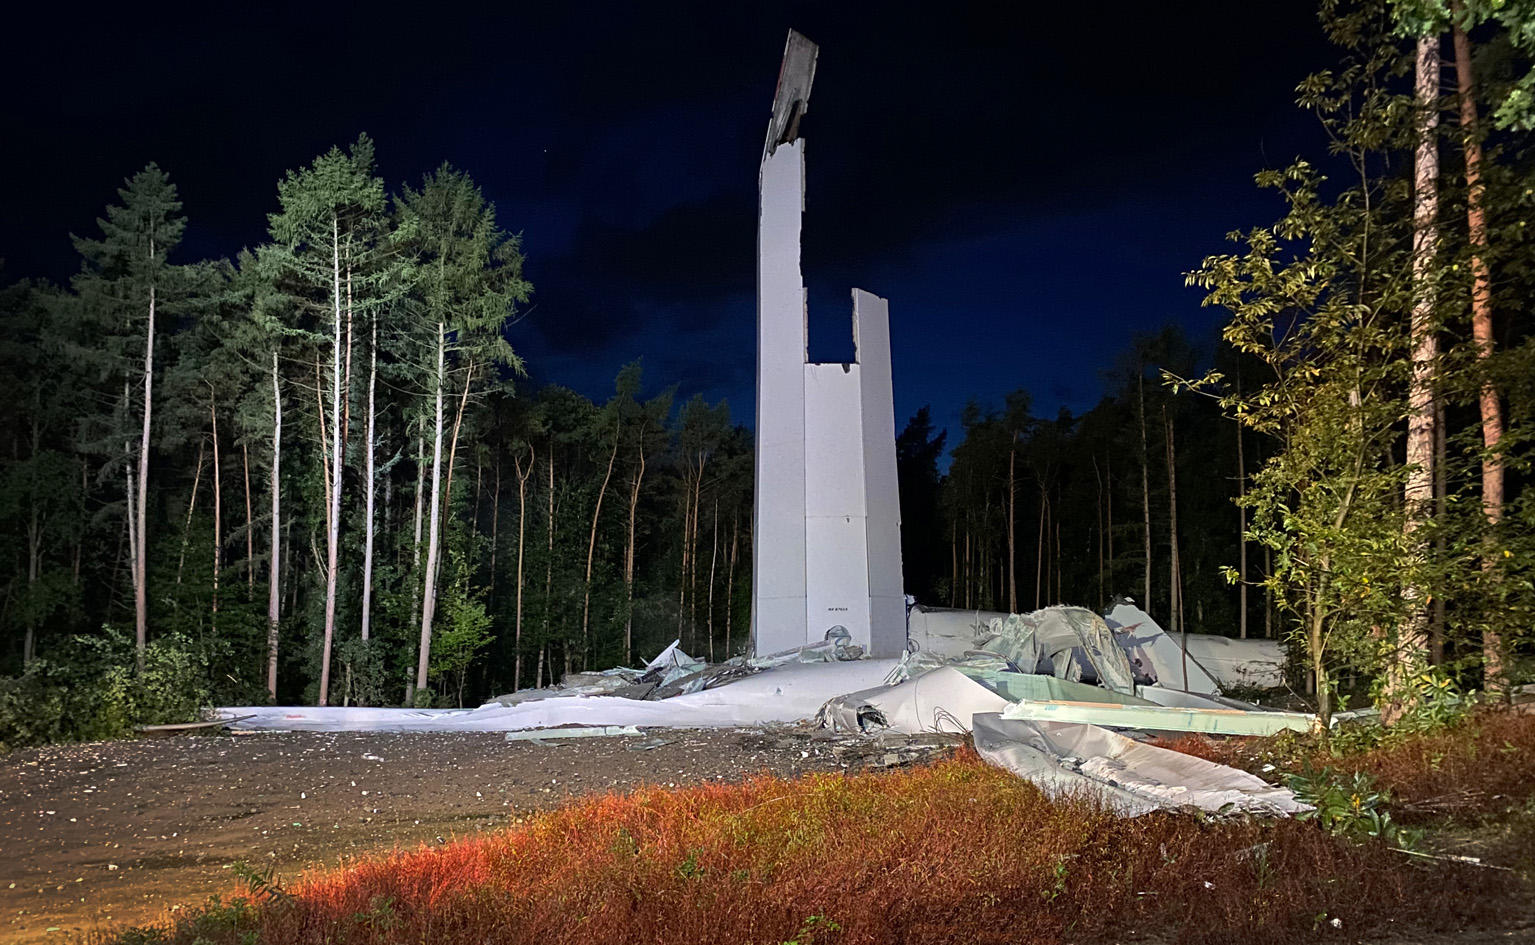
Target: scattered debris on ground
[{"x": 116, "y": 832}]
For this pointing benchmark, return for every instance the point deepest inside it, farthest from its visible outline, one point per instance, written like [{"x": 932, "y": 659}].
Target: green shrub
[
  {"x": 1349, "y": 806},
  {"x": 87, "y": 690}
]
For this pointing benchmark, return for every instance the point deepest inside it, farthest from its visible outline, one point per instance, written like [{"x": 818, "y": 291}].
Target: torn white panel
[
  {"x": 598, "y": 731},
  {"x": 1157, "y": 653},
  {"x": 1130, "y": 776},
  {"x": 1252, "y": 664},
  {"x": 947, "y": 631},
  {"x": 1158, "y": 718},
  {"x": 940, "y": 701},
  {"x": 1073, "y": 643},
  {"x": 787, "y": 693}
]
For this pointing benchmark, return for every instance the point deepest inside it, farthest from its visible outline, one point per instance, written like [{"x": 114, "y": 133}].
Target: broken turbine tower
[{"x": 827, "y": 534}]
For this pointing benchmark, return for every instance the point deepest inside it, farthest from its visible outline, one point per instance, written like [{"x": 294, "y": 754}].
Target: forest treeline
[
  {"x": 310, "y": 473},
  {"x": 317, "y": 472}
]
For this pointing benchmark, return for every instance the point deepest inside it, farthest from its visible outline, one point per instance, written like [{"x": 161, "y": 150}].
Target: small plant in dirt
[
  {"x": 1349, "y": 805},
  {"x": 815, "y": 929},
  {"x": 261, "y": 884}
]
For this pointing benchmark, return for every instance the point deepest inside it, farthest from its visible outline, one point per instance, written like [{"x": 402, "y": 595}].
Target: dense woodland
[{"x": 317, "y": 473}]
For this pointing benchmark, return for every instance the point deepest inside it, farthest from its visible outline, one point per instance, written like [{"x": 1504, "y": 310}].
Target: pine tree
[{"x": 126, "y": 288}]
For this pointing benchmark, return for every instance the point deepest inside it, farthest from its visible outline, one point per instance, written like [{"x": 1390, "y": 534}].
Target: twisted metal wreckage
[
  {"x": 1062, "y": 697},
  {"x": 1045, "y": 694}
]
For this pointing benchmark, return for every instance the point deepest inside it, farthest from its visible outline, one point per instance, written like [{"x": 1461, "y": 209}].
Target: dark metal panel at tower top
[{"x": 792, "y": 99}]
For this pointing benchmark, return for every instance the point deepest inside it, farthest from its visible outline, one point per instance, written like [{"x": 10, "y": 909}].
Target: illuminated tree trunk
[
  {"x": 522, "y": 531},
  {"x": 1012, "y": 521},
  {"x": 333, "y": 532},
  {"x": 186, "y": 530},
  {"x": 370, "y": 490},
  {"x": 1140, "y": 384},
  {"x": 138, "y": 537},
  {"x": 1411, "y": 645},
  {"x": 1481, "y": 330},
  {"x": 591, "y": 545},
  {"x": 634, "y": 504},
  {"x": 429, "y": 585},
  {"x": 274, "y": 600}
]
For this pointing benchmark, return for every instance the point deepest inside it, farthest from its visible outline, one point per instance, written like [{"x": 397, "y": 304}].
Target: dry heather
[
  {"x": 958, "y": 851},
  {"x": 1480, "y": 766}
]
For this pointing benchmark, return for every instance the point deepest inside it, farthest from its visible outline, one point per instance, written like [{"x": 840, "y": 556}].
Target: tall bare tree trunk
[
  {"x": 1012, "y": 522},
  {"x": 522, "y": 531},
  {"x": 714, "y": 550},
  {"x": 370, "y": 491},
  {"x": 1174, "y": 580},
  {"x": 591, "y": 544},
  {"x": 1268, "y": 594},
  {"x": 1496, "y": 681},
  {"x": 698, "y": 511},
  {"x": 1411, "y": 644},
  {"x": 274, "y": 598},
  {"x": 1176, "y": 577},
  {"x": 1140, "y": 385},
  {"x": 634, "y": 504},
  {"x": 333, "y": 533},
  {"x": 131, "y": 535},
  {"x": 250, "y": 537},
  {"x": 1241, "y": 529},
  {"x": 346, "y": 384},
  {"x": 429, "y": 584},
  {"x": 730, "y": 579},
  {"x": 458, "y": 422},
  {"x": 548, "y": 567},
  {"x": 139, "y": 536},
  {"x": 186, "y": 530},
  {"x": 1108, "y": 508},
  {"x": 34, "y": 543},
  {"x": 954, "y": 561},
  {"x": 495, "y": 527},
  {"x": 415, "y": 563},
  {"x": 1436, "y": 623},
  {"x": 1039, "y": 551},
  {"x": 1098, "y": 508},
  {"x": 1059, "y": 597},
  {"x": 218, "y": 504},
  {"x": 682, "y": 579},
  {"x": 319, "y": 401}
]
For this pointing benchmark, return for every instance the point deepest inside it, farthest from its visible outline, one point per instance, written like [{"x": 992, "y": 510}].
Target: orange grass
[
  {"x": 958, "y": 851},
  {"x": 1491, "y": 758},
  {"x": 1480, "y": 766}
]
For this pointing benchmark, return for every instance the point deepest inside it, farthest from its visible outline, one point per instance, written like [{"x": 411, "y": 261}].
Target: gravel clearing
[{"x": 108, "y": 833}]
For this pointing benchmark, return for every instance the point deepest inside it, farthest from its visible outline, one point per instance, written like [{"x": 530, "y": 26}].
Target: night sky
[{"x": 1026, "y": 183}]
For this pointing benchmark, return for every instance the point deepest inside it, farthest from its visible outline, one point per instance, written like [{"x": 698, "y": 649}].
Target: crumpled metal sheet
[
  {"x": 1132, "y": 777},
  {"x": 939, "y": 701},
  {"x": 1076, "y": 643}
]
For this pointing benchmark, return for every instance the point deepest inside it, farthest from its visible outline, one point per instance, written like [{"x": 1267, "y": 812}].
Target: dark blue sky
[{"x": 1025, "y": 185}]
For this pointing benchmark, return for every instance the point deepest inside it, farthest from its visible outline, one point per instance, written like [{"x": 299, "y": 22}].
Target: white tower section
[{"x": 827, "y": 535}]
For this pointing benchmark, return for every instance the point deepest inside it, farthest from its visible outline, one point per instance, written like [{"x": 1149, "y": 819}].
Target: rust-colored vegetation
[
  {"x": 958, "y": 851},
  {"x": 1480, "y": 765}
]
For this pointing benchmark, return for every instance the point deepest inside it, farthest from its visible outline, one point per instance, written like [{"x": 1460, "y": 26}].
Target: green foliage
[
  {"x": 815, "y": 928},
  {"x": 1515, "y": 21},
  {"x": 1349, "y": 806},
  {"x": 261, "y": 884},
  {"x": 462, "y": 633},
  {"x": 86, "y": 690}
]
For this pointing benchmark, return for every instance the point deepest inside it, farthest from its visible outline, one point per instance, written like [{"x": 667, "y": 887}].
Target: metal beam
[{"x": 792, "y": 98}]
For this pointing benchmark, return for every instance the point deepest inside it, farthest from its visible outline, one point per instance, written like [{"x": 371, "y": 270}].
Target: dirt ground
[
  {"x": 98, "y": 835},
  {"x": 116, "y": 833}
]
